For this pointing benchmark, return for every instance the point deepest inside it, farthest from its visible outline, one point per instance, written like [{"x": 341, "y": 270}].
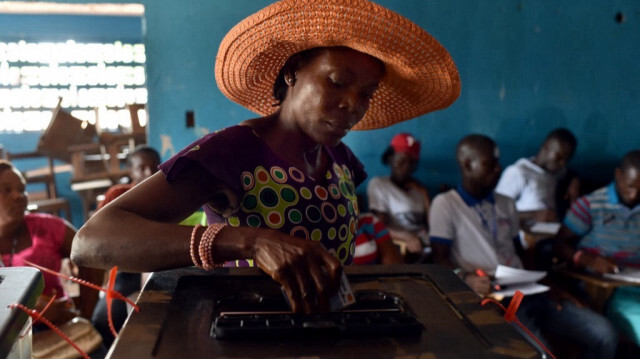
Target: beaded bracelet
[
  {"x": 576, "y": 257},
  {"x": 206, "y": 246},
  {"x": 192, "y": 247}
]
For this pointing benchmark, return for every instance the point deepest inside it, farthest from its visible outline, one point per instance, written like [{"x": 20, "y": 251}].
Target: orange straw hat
[{"x": 420, "y": 74}]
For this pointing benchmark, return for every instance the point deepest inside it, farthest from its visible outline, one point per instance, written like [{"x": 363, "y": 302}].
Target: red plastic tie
[
  {"x": 109, "y": 292},
  {"x": 36, "y": 316},
  {"x": 510, "y": 317}
]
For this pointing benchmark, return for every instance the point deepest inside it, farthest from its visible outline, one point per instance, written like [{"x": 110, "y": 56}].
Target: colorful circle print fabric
[{"x": 272, "y": 194}]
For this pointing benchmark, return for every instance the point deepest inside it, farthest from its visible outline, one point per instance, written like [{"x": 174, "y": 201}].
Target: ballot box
[
  {"x": 404, "y": 311},
  {"x": 18, "y": 285}
]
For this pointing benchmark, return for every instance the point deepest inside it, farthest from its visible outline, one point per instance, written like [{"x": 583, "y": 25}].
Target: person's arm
[
  {"x": 139, "y": 232},
  {"x": 88, "y": 296},
  {"x": 481, "y": 285},
  {"x": 577, "y": 223},
  {"x": 573, "y": 190},
  {"x": 389, "y": 253},
  {"x": 413, "y": 243},
  {"x": 511, "y": 184},
  {"x": 567, "y": 248},
  {"x": 442, "y": 239}
]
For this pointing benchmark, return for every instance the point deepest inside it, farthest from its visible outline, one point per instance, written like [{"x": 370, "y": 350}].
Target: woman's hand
[{"x": 309, "y": 274}]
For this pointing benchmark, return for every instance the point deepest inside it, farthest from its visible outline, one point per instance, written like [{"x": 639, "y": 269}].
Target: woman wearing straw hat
[{"x": 280, "y": 189}]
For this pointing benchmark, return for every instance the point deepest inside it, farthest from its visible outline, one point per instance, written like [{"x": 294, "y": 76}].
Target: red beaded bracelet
[
  {"x": 192, "y": 247},
  {"x": 206, "y": 246}
]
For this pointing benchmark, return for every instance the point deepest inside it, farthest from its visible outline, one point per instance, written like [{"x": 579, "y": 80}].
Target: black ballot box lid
[
  {"x": 178, "y": 307},
  {"x": 18, "y": 285}
]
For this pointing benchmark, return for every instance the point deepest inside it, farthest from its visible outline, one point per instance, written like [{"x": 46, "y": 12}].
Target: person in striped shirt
[
  {"x": 601, "y": 233},
  {"x": 373, "y": 243}
]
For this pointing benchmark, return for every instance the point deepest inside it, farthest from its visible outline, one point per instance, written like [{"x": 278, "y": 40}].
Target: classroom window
[{"x": 94, "y": 80}]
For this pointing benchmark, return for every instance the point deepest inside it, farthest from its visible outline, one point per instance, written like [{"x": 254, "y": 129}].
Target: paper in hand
[{"x": 344, "y": 297}]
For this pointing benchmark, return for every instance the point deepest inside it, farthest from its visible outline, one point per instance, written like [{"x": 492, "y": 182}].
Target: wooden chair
[
  {"x": 64, "y": 130},
  {"x": 100, "y": 163},
  {"x": 105, "y": 157},
  {"x": 137, "y": 131}
]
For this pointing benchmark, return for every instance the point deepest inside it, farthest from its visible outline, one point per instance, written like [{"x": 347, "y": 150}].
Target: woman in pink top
[{"x": 42, "y": 239}]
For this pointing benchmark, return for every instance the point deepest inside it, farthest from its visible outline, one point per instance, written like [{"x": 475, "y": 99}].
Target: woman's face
[
  {"x": 331, "y": 93},
  {"x": 402, "y": 166},
  {"x": 13, "y": 196}
]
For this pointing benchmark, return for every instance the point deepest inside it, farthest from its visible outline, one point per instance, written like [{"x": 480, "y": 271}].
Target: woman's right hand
[{"x": 309, "y": 274}]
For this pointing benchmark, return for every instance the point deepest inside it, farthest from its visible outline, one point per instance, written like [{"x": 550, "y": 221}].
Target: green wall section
[{"x": 526, "y": 67}]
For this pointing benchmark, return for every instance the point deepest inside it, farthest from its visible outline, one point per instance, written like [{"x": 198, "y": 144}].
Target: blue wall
[
  {"x": 526, "y": 68},
  {"x": 15, "y": 27}
]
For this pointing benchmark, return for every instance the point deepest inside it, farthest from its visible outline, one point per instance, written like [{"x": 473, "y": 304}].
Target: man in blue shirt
[{"x": 601, "y": 233}]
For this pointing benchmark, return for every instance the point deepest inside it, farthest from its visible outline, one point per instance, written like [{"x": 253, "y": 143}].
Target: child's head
[{"x": 143, "y": 162}]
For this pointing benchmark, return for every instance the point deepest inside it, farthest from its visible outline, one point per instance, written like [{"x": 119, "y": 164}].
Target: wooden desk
[
  {"x": 597, "y": 287},
  {"x": 176, "y": 309}
]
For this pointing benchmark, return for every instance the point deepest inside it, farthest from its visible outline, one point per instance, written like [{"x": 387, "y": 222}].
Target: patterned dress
[{"x": 263, "y": 190}]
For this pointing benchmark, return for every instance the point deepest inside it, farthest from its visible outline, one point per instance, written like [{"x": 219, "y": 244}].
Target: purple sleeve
[
  {"x": 217, "y": 152},
  {"x": 359, "y": 174}
]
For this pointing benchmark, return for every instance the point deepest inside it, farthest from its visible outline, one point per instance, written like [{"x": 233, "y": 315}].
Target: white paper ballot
[
  {"x": 545, "y": 227},
  {"x": 509, "y": 275},
  {"x": 526, "y": 289},
  {"x": 631, "y": 275},
  {"x": 512, "y": 279}
]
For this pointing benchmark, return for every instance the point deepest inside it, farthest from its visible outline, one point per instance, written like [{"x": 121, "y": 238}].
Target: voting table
[{"x": 181, "y": 311}]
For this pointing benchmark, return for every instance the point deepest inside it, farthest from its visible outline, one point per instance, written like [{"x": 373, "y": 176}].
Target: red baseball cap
[{"x": 406, "y": 143}]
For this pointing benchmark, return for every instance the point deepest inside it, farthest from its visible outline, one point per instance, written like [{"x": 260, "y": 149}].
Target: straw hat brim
[{"x": 420, "y": 75}]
